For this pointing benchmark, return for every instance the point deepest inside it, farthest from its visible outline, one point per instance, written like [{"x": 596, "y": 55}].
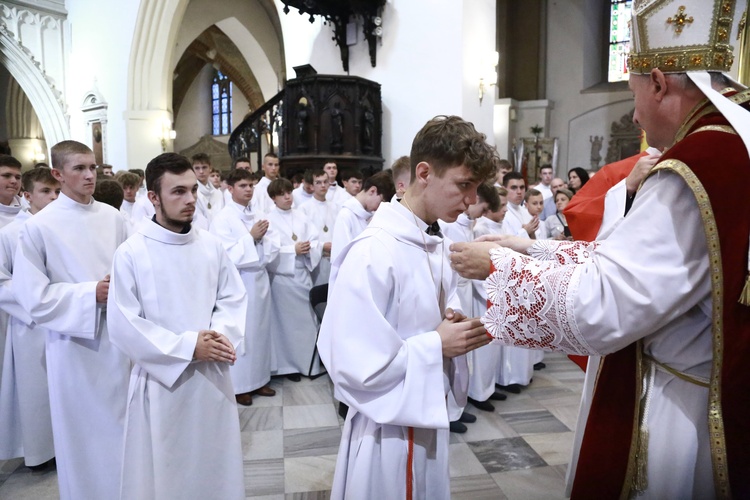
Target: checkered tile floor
[{"x": 519, "y": 451}]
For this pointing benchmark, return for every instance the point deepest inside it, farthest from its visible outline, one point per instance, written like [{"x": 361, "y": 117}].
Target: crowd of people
[{"x": 281, "y": 239}]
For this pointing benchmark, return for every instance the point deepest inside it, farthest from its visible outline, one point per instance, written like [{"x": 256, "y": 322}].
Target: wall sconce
[
  {"x": 167, "y": 134},
  {"x": 491, "y": 75},
  {"x": 39, "y": 155}
]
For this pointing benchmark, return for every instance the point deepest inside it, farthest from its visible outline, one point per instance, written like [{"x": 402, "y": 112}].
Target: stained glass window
[
  {"x": 221, "y": 104},
  {"x": 619, "y": 40}
]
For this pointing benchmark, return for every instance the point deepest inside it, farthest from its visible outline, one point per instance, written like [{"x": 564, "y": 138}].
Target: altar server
[
  {"x": 392, "y": 343},
  {"x": 250, "y": 246},
  {"x": 64, "y": 255},
  {"x": 179, "y": 324}
]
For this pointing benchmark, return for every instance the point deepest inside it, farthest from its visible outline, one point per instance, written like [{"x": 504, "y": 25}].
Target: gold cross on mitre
[{"x": 680, "y": 19}]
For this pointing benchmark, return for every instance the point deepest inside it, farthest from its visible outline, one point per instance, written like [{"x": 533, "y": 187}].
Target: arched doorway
[{"x": 45, "y": 100}]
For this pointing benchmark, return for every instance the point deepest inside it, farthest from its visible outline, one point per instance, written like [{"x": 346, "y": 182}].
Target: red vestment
[
  {"x": 584, "y": 212},
  {"x": 707, "y": 151}
]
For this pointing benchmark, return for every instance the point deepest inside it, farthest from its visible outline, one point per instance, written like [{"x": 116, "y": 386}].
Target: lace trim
[
  {"x": 531, "y": 301},
  {"x": 563, "y": 252}
]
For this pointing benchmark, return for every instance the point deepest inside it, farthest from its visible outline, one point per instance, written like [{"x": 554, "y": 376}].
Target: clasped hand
[
  {"x": 460, "y": 334},
  {"x": 213, "y": 346}
]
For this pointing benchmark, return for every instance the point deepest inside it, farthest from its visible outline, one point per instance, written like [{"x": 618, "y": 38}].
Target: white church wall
[
  {"x": 593, "y": 122},
  {"x": 194, "y": 119},
  {"x": 420, "y": 62},
  {"x": 101, "y": 38},
  {"x": 479, "y": 61},
  {"x": 569, "y": 26}
]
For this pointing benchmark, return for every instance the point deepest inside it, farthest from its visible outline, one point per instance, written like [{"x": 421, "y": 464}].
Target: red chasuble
[{"x": 584, "y": 212}]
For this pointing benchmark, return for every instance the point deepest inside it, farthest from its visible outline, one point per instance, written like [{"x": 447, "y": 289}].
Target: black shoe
[
  {"x": 482, "y": 405},
  {"x": 343, "y": 410},
  {"x": 539, "y": 366},
  {"x": 458, "y": 427},
  {"x": 511, "y": 388},
  {"x": 467, "y": 418},
  {"x": 498, "y": 396},
  {"x": 294, "y": 377},
  {"x": 50, "y": 464}
]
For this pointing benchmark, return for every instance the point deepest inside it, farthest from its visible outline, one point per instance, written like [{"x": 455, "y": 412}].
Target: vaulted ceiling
[{"x": 214, "y": 47}]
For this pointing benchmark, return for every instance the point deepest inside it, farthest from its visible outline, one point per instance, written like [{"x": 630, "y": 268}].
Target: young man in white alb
[
  {"x": 392, "y": 342},
  {"x": 65, "y": 255},
  {"x": 179, "y": 325},
  {"x": 262, "y": 203},
  {"x": 210, "y": 199},
  {"x": 293, "y": 323},
  {"x": 356, "y": 213},
  {"x": 322, "y": 214},
  {"x": 250, "y": 246},
  {"x": 26, "y": 376}
]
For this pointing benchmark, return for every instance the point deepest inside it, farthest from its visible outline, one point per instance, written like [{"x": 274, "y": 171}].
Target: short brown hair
[
  {"x": 109, "y": 191},
  {"x": 128, "y": 179},
  {"x": 200, "y": 158},
  {"x": 239, "y": 175},
  {"x": 41, "y": 174},
  {"x": 488, "y": 193},
  {"x": 532, "y": 192},
  {"x": 501, "y": 191},
  {"x": 451, "y": 141},
  {"x": 565, "y": 192},
  {"x": 60, "y": 152},
  {"x": 9, "y": 161},
  {"x": 383, "y": 182},
  {"x": 400, "y": 167},
  {"x": 280, "y": 186},
  {"x": 165, "y": 162}
]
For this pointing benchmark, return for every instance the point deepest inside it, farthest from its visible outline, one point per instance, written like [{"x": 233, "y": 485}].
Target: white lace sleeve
[
  {"x": 530, "y": 301},
  {"x": 563, "y": 252}
]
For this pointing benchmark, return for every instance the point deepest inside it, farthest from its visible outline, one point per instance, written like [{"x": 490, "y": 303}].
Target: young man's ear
[
  {"x": 26, "y": 195},
  {"x": 422, "y": 171},
  {"x": 153, "y": 198},
  {"x": 57, "y": 175}
]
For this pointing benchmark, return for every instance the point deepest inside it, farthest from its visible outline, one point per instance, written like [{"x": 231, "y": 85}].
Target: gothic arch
[
  {"x": 44, "y": 97},
  {"x": 152, "y": 60}
]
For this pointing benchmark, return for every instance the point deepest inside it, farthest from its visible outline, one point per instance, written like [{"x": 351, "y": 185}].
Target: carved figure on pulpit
[
  {"x": 368, "y": 133},
  {"x": 337, "y": 128},
  {"x": 302, "y": 117}
]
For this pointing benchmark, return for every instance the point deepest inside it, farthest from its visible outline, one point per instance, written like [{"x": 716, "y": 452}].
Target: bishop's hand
[
  {"x": 213, "y": 346},
  {"x": 472, "y": 260}
]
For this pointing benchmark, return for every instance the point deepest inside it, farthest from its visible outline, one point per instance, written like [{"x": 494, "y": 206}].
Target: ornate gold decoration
[
  {"x": 680, "y": 19},
  {"x": 713, "y": 55},
  {"x": 741, "y": 26},
  {"x": 715, "y": 414}
]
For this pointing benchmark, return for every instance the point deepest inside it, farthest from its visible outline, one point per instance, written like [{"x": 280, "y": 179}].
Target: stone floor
[{"x": 520, "y": 451}]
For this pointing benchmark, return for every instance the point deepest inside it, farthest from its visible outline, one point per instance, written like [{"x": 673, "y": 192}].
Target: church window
[
  {"x": 619, "y": 40},
  {"x": 221, "y": 102}
]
